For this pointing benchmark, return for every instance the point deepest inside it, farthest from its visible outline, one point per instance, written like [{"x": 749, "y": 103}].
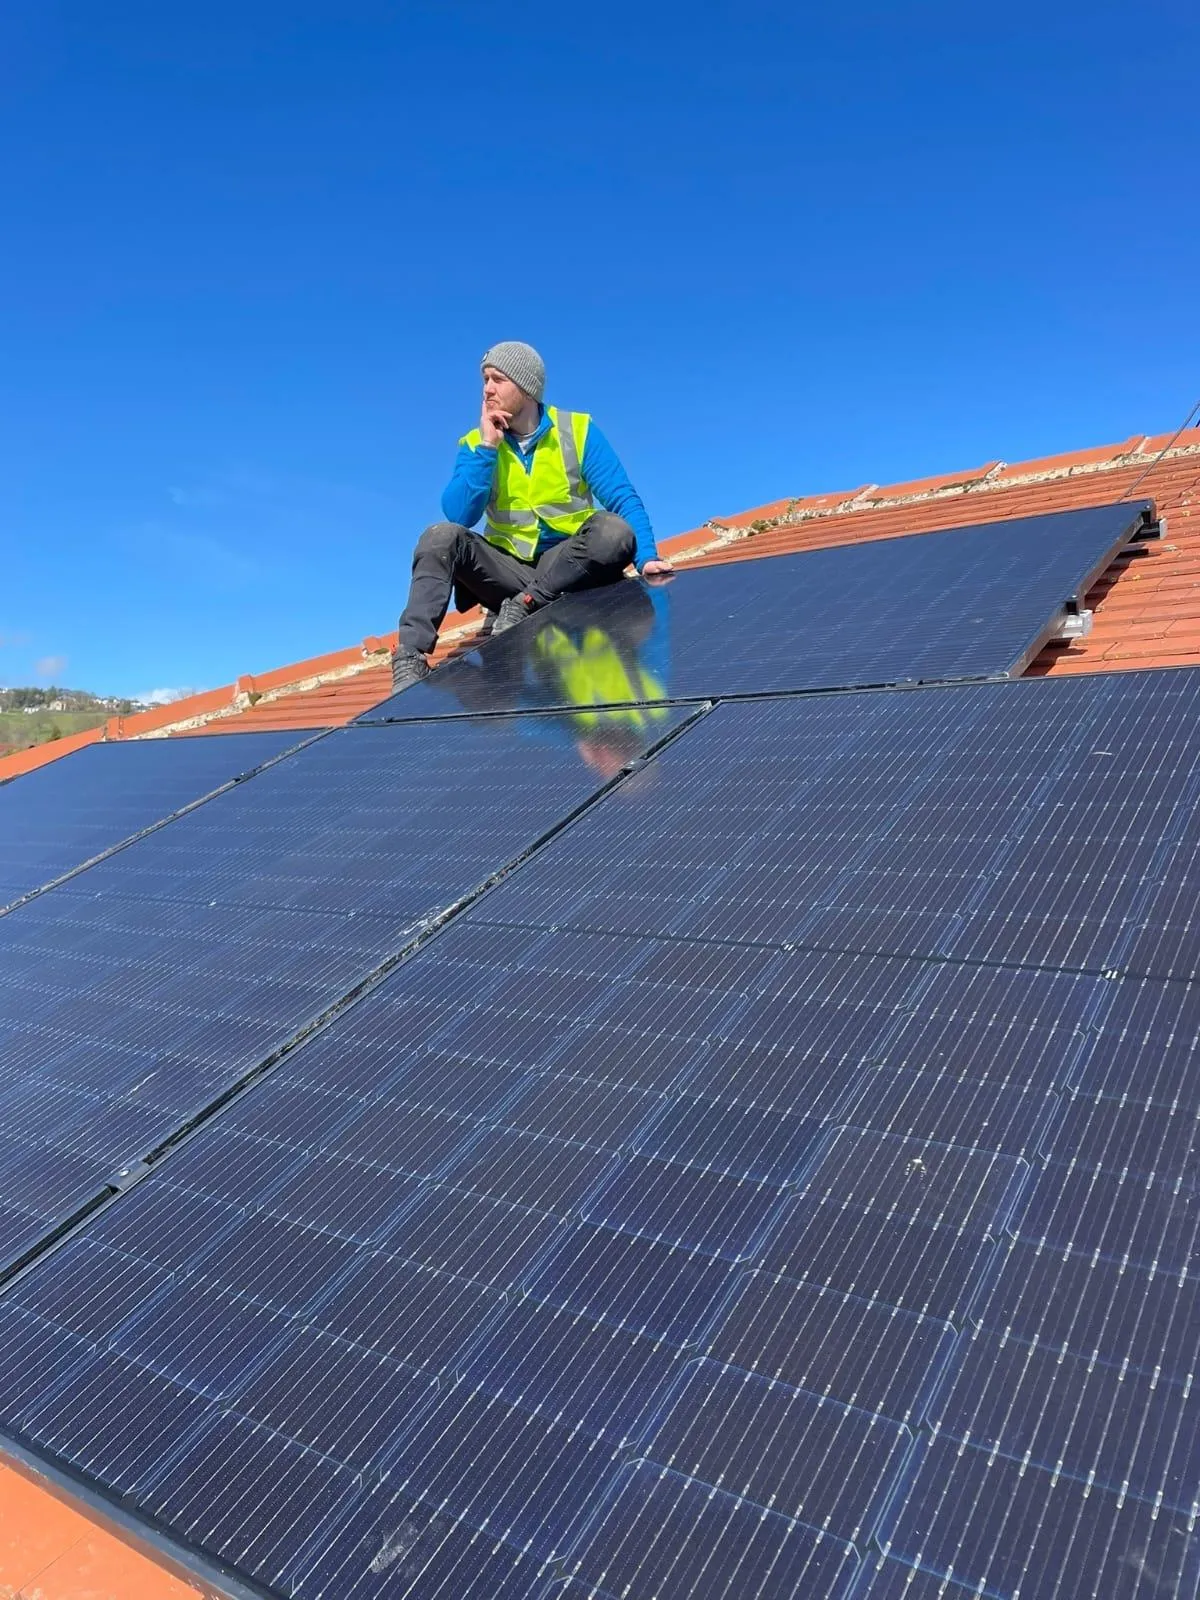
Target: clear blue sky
[{"x": 252, "y": 252}]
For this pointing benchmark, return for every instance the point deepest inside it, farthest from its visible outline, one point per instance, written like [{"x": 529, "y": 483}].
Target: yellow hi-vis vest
[
  {"x": 552, "y": 491},
  {"x": 593, "y": 674}
]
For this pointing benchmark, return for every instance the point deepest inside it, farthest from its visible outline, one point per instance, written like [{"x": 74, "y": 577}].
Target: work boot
[
  {"x": 487, "y": 625},
  {"x": 513, "y": 610},
  {"x": 408, "y": 666}
]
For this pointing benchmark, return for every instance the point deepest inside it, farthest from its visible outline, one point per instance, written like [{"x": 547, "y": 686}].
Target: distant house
[{"x": 56, "y": 705}]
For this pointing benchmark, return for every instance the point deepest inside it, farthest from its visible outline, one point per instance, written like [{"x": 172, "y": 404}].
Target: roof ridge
[{"x": 996, "y": 475}]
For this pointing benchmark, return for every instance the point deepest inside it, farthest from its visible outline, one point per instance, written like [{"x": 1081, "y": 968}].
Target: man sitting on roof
[{"x": 559, "y": 513}]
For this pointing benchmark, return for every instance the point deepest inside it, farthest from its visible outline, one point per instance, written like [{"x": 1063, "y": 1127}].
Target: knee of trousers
[
  {"x": 611, "y": 540},
  {"x": 439, "y": 538}
]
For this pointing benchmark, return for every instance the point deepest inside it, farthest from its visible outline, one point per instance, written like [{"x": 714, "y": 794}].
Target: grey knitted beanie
[{"x": 521, "y": 363}]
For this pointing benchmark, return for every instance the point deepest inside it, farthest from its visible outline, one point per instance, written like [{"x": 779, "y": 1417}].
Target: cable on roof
[{"x": 1186, "y": 423}]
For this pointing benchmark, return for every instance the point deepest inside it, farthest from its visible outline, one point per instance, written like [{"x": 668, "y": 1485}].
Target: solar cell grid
[
  {"x": 658, "y": 1528},
  {"x": 753, "y": 1215},
  {"x": 603, "y": 1379},
  {"x": 862, "y": 1352},
  {"x": 385, "y": 1542},
  {"x": 69, "y": 811},
  {"x": 931, "y": 832},
  {"x": 1109, "y": 1310},
  {"x": 166, "y": 972},
  {"x": 1113, "y": 1426},
  {"x": 803, "y": 1455},
  {"x": 205, "y": 1489},
  {"x": 1043, "y": 1533},
  {"x": 1143, "y": 1221}
]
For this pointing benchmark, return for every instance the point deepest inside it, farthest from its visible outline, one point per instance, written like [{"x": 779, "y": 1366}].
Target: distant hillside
[{"x": 33, "y": 715}]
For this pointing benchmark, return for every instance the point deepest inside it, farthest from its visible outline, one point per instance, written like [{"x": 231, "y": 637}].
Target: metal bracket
[
  {"x": 1072, "y": 625},
  {"x": 128, "y": 1176},
  {"x": 1150, "y": 528}
]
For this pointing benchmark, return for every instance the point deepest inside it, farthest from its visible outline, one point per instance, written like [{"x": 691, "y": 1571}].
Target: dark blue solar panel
[
  {"x": 1096, "y": 1308},
  {"x": 916, "y": 1180},
  {"x": 140, "y": 989},
  {"x": 521, "y": 1477},
  {"x": 77, "y": 1422},
  {"x": 472, "y": 1236},
  {"x": 866, "y": 1353},
  {"x": 753, "y": 1214},
  {"x": 1146, "y": 1222},
  {"x": 654, "y": 1289},
  {"x": 67, "y": 812},
  {"x": 969, "y": 602},
  {"x": 1145, "y": 1047},
  {"x": 803, "y": 1455},
  {"x": 696, "y": 1210},
  {"x": 1125, "y": 1430},
  {"x": 603, "y": 1379},
  {"x": 1154, "y": 1141},
  {"x": 659, "y": 1532},
  {"x": 335, "y": 1396},
  {"x": 406, "y": 1311},
  {"x": 933, "y": 1271},
  {"x": 1001, "y": 1527},
  {"x": 383, "y": 1543},
  {"x": 842, "y": 820},
  {"x": 203, "y": 1492},
  {"x": 959, "y": 1111},
  {"x": 198, "y": 1335},
  {"x": 734, "y": 1141},
  {"x": 896, "y": 1580},
  {"x": 544, "y": 1174}
]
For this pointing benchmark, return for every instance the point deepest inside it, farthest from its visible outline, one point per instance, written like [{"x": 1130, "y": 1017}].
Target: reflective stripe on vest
[
  {"x": 593, "y": 674},
  {"x": 552, "y": 490}
]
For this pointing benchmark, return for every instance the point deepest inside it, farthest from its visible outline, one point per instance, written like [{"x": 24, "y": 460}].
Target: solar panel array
[
  {"x": 780, "y": 1183},
  {"x": 67, "y": 812},
  {"x": 137, "y": 992},
  {"x": 971, "y": 602}
]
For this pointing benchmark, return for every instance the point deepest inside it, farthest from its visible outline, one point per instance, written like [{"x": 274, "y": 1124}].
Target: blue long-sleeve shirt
[{"x": 466, "y": 495}]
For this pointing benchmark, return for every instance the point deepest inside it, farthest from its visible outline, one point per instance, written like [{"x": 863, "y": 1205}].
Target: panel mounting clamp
[{"x": 1073, "y": 624}]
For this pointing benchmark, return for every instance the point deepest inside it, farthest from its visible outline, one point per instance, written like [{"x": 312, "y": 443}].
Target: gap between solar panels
[
  {"x": 420, "y": 933},
  {"x": 970, "y": 603}
]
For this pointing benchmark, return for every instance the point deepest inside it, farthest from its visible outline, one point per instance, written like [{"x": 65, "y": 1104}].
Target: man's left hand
[{"x": 658, "y": 571}]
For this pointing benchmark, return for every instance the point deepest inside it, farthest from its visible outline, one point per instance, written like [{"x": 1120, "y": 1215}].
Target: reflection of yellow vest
[
  {"x": 552, "y": 491},
  {"x": 593, "y": 674}
]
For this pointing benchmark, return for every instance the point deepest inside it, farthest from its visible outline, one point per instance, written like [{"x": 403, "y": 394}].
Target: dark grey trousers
[{"x": 450, "y": 559}]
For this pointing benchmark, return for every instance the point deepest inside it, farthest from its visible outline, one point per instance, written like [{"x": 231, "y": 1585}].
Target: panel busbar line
[
  {"x": 966, "y": 603},
  {"x": 64, "y": 814},
  {"x": 682, "y": 1264},
  {"x": 137, "y": 992}
]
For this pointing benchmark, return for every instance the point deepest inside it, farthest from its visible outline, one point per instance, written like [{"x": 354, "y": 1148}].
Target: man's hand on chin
[{"x": 492, "y": 425}]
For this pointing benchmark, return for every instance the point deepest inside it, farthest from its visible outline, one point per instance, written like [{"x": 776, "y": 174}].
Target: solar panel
[
  {"x": 71, "y": 810},
  {"x": 910, "y": 824},
  {"x": 137, "y": 992},
  {"x": 699, "y": 1261},
  {"x": 976, "y": 601},
  {"x": 537, "y": 1296}
]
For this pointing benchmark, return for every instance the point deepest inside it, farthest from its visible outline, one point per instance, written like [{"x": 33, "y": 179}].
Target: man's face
[{"x": 501, "y": 393}]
